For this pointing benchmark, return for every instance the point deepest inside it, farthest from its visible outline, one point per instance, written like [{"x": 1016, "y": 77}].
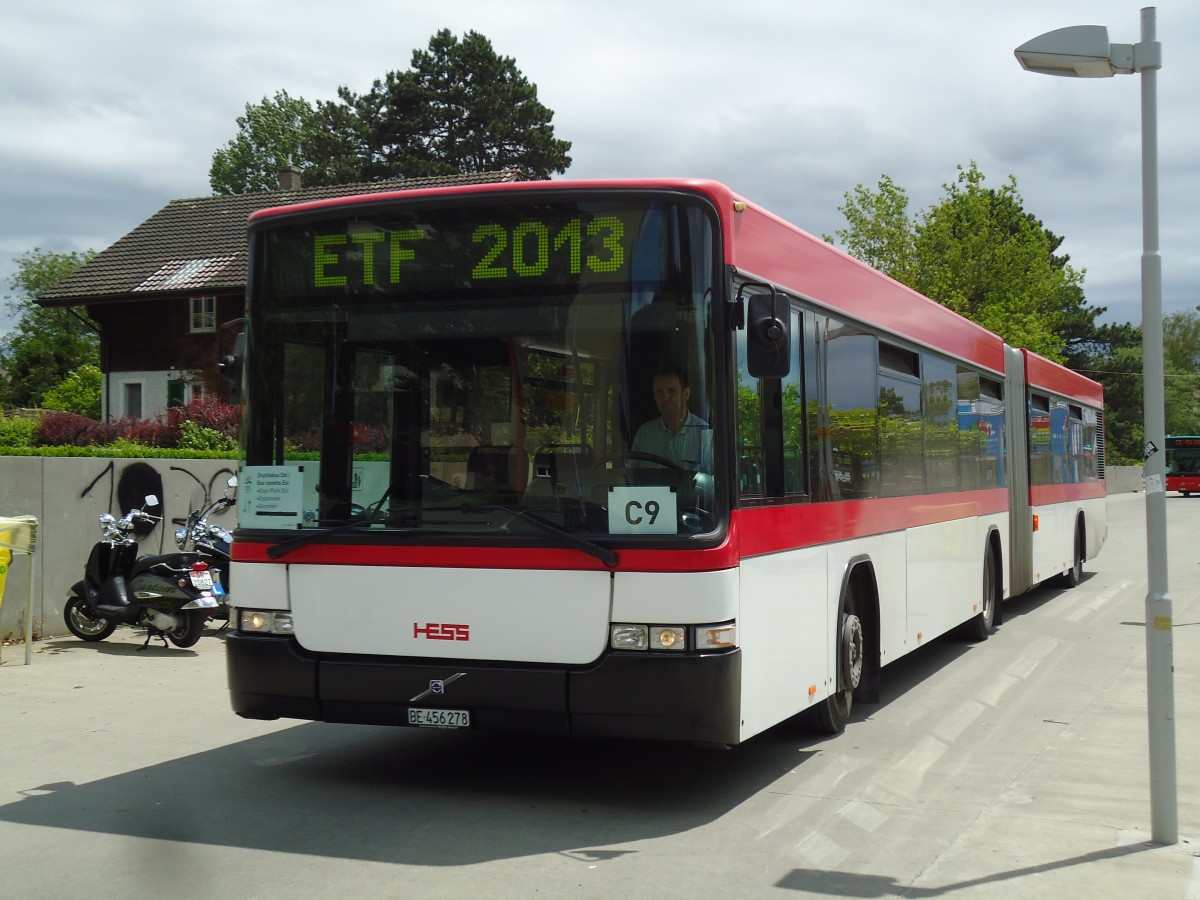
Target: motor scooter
[{"x": 170, "y": 595}]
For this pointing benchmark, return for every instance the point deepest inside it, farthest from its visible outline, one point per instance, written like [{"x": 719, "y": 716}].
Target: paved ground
[{"x": 1016, "y": 768}]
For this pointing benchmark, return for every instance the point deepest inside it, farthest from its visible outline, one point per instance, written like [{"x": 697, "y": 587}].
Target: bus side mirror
[{"x": 768, "y": 335}]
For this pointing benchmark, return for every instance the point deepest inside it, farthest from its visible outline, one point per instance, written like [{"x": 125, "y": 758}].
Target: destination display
[{"x": 456, "y": 248}]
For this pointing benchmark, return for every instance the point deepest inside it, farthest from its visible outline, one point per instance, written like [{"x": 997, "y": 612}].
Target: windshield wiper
[
  {"x": 286, "y": 546},
  {"x": 371, "y": 516},
  {"x": 591, "y": 548},
  {"x": 366, "y": 520}
]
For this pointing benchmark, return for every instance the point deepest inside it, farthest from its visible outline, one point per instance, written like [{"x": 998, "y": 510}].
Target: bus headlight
[
  {"x": 264, "y": 621},
  {"x": 673, "y": 638},
  {"x": 629, "y": 637}
]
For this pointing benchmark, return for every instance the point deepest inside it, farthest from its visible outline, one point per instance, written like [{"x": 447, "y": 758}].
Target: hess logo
[{"x": 442, "y": 631}]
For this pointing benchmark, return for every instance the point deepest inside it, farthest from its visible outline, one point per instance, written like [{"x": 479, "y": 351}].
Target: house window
[
  {"x": 133, "y": 399},
  {"x": 203, "y": 314}
]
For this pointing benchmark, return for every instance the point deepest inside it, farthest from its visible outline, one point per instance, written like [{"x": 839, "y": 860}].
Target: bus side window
[
  {"x": 851, "y": 384},
  {"x": 748, "y": 442},
  {"x": 795, "y": 466}
]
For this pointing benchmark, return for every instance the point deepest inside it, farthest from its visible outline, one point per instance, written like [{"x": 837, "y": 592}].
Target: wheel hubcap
[
  {"x": 87, "y": 624},
  {"x": 852, "y": 652}
]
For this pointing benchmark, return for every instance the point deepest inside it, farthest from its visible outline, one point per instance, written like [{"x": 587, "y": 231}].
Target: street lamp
[{"x": 1083, "y": 51}]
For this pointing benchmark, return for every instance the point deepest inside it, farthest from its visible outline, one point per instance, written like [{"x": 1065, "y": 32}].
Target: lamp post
[{"x": 1083, "y": 51}]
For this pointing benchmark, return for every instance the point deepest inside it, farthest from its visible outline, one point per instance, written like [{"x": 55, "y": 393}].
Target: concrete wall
[
  {"x": 67, "y": 496},
  {"x": 1124, "y": 479}
]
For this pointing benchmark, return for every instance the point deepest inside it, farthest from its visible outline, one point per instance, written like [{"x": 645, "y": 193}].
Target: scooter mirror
[{"x": 151, "y": 500}]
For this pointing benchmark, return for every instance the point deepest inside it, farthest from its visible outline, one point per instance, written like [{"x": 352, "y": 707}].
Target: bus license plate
[{"x": 439, "y": 718}]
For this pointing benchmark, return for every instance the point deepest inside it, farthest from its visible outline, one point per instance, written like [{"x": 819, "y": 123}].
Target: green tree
[
  {"x": 879, "y": 230},
  {"x": 273, "y": 134},
  {"x": 1181, "y": 366},
  {"x": 461, "y": 108},
  {"x": 79, "y": 392},
  {"x": 977, "y": 252},
  {"x": 47, "y": 343},
  {"x": 1112, "y": 355}
]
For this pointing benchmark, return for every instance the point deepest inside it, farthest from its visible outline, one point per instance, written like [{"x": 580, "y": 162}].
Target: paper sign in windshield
[{"x": 270, "y": 496}]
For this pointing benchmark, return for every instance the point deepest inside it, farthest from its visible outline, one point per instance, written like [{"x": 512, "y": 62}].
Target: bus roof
[{"x": 1042, "y": 373}]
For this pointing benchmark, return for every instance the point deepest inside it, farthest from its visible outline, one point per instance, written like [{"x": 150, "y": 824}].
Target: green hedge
[{"x": 123, "y": 451}]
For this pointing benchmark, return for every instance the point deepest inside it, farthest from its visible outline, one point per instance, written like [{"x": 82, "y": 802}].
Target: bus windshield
[
  {"x": 482, "y": 368},
  {"x": 1183, "y": 455}
]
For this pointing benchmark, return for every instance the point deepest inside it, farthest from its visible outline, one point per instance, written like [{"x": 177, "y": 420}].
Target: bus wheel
[
  {"x": 984, "y": 622},
  {"x": 832, "y": 713},
  {"x": 1074, "y": 575}
]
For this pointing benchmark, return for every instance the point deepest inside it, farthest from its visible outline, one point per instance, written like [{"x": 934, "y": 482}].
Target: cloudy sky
[{"x": 111, "y": 110}]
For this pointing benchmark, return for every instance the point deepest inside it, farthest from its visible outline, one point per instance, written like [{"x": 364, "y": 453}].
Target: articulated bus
[
  {"x": 623, "y": 459},
  {"x": 1183, "y": 463}
]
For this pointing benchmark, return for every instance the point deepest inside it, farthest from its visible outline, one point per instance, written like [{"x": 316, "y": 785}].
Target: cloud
[{"x": 122, "y": 105}]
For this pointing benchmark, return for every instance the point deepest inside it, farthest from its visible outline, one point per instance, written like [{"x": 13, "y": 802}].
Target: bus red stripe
[
  {"x": 753, "y": 532},
  {"x": 1049, "y": 494}
]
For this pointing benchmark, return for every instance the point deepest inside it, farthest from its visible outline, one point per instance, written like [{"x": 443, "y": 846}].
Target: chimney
[{"x": 289, "y": 178}]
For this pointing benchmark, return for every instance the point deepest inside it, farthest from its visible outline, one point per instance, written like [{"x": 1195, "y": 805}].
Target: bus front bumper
[{"x": 626, "y": 695}]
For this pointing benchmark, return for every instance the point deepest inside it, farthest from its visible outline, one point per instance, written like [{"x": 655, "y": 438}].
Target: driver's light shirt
[{"x": 689, "y": 448}]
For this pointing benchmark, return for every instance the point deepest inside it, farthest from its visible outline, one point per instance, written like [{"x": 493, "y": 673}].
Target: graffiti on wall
[{"x": 136, "y": 481}]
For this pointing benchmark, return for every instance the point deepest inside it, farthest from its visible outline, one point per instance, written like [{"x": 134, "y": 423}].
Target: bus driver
[{"x": 678, "y": 436}]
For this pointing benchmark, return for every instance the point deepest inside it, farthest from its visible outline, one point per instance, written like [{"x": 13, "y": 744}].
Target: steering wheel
[{"x": 655, "y": 458}]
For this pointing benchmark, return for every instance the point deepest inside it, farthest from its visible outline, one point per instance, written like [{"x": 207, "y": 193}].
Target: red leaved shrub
[
  {"x": 58, "y": 428},
  {"x": 65, "y": 428},
  {"x": 150, "y": 432},
  {"x": 208, "y": 412}
]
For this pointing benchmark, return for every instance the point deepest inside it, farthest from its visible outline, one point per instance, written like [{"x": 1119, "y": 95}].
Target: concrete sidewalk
[{"x": 1016, "y": 768}]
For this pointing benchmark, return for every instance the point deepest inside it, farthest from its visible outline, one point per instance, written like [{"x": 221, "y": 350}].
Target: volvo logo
[{"x": 437, "y": 687}]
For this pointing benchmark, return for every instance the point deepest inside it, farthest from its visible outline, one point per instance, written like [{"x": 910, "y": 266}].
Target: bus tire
[
  {"x": 983, "y": 624},
  {"x": 831, "y": 714},
  {"x": 1074, "y": 575}
]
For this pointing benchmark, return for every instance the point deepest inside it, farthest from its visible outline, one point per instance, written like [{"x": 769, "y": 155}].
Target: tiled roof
[{"x": 200, "y": 244}]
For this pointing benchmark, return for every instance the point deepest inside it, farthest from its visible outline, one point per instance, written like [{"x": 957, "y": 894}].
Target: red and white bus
[
  {"x": 447, "y": 517},
  {"x": 1183, "y": 463}
]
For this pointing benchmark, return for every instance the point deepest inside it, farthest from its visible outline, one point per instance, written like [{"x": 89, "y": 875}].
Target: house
[{"x": 163, "y": 293}]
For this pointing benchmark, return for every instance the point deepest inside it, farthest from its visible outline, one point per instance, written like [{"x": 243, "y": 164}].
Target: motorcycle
[
  {"x": 210, "y": 541},
  {"x": 170, "y": 595}
]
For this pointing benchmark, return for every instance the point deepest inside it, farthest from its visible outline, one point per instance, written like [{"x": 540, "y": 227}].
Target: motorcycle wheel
[
  {"x": 84, "y": 623},
  {"x": 189, "y": 629}
]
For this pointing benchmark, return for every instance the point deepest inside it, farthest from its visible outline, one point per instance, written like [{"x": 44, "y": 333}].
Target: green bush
[
  {"x": 120, "y": 449},
  {"x": 17, "y": 432},
  {"x": 200, "y": 437}
]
